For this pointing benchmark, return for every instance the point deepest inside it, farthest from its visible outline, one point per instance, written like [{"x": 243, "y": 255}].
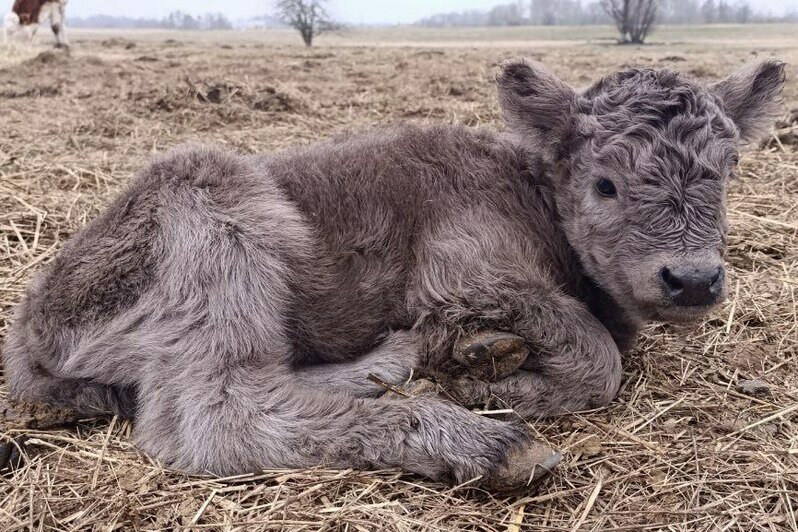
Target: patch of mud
[
  {"x": 118, "y": 42},
  {"x": 48, "y": 58},
  {"x": 283, "y": 100},
  {"x": 55, "y": 58},
  {"x": 49, "y": 74},
  {"x": 272, "y": 99}
]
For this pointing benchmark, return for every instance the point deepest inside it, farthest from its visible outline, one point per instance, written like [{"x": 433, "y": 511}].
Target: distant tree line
[
  {"x": 177, "y": 20},
  {"x": 577, "y": 12},
  {"x": 183, "y": 21}
]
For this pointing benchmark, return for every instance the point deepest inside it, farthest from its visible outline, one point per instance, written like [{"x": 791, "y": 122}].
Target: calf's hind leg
[
  {"x": 42, "y": 400},
  {"x": 33, "y": 375},
  {"x": 487, "y": 355},
  {"x": 222, "y": 397},
  {"x": 247, "y": 418}
]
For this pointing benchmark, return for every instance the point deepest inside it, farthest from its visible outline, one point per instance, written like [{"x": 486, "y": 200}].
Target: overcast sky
[{"x": 352, "y": 11}]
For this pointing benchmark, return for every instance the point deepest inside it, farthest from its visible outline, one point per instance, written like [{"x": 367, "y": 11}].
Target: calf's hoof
[
  {"x": 28, "y": 415},
  {"x": 41, "y": 416},
  {"x": 525, "y": 466},
  {"x": 11, "y": 457},
  {"x": 491, "y": 355}
]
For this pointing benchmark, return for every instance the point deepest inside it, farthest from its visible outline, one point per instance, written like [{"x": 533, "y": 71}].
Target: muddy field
[{"x": 686, "y": 446}]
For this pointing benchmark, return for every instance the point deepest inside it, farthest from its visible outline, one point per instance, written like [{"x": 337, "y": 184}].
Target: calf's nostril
[{"x": 672, "y": 282}]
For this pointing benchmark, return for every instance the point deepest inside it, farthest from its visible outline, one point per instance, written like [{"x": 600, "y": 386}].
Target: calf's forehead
[
  {"x": 664, "y": 156},
  {"x": 663, "y": 99},
  {"x": 656, "y": 122}
]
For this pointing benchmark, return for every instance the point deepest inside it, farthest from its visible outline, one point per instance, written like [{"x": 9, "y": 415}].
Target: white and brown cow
[{"x": 26, "y": 15}]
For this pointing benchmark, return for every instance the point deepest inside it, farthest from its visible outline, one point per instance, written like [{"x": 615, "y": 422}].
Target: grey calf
[{"x": 235, "y": 305}]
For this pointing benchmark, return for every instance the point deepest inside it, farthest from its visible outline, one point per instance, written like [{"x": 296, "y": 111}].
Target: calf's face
[{"x": 642, "y": 158}]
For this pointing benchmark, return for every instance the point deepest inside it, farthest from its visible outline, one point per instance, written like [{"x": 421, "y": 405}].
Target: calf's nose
[{"x": 690, "y": 286}]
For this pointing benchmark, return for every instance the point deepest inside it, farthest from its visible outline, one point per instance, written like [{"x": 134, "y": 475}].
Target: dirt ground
[{"x": 684, "y": 447}]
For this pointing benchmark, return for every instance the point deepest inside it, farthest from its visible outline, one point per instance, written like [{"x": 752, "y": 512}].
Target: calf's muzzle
[{"x": 691, "y": 285}]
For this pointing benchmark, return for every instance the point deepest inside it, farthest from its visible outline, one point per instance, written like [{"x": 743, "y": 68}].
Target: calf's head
[{"x": 641, "y": 160}]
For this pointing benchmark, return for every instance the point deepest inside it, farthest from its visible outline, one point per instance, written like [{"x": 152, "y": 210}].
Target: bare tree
[
  {"x": 634, "y": 18},
  {"x": 309, "y": 17}
]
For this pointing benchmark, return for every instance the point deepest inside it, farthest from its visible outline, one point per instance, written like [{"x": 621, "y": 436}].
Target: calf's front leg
[
  {"x": 574, "y": 363},
  {"x": 484, "y": 281}
]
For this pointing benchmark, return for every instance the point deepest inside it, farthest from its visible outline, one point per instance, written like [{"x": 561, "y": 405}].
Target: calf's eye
[{"x": 606, "y": 188}]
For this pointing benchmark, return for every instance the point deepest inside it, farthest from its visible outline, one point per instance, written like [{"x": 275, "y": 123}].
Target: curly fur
[{"x": 235, "y": 306}]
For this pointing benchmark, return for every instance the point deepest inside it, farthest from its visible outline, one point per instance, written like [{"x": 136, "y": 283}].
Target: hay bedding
[{"x": 685, "y": 447}]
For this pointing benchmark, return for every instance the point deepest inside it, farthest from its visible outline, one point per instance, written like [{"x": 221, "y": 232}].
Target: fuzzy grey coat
[{"x": 236, "y": 305}]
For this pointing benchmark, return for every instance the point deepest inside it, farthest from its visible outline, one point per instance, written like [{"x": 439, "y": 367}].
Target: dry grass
[{"x": 681, "y": 449}]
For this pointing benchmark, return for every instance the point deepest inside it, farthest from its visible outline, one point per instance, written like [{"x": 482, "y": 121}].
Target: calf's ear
[
  {"x": 536, "y": 104},
  {"x": 751, "y": 97}
]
